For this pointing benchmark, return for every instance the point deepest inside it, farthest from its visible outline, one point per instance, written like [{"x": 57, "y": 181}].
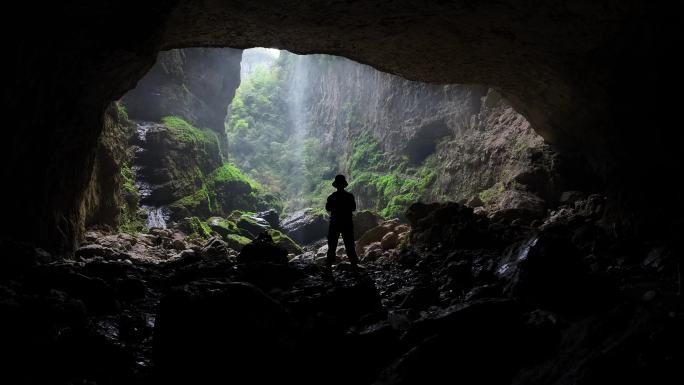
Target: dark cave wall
[
  {"x": 570, "y": 68},
  {"x": 103, "y": 198}
]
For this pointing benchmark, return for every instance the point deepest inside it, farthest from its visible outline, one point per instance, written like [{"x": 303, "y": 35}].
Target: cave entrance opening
[{"x": 232, "y": 142}]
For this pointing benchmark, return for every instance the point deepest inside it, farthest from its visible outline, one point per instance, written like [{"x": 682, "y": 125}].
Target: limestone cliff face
[
  {"x": 104, "y": 197},
  {"x": 196, "y": 84},
  {"x": 476, "y": 140}
]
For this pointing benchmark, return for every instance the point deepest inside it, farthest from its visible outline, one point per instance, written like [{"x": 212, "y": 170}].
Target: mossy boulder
[
  {"x": 196, "y": 228},
  {"x": 263, "y": 250},
  {"x": 282, "y": 240},
  {"x": 222, "y": 226},
  {"x": 249, "y": 224},
  {"x": 236, "y": 241},
  {"x": 305, "y": 226}
]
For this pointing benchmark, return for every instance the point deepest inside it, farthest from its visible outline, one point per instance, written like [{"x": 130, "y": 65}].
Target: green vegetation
[
  {"x": 185, "y": 131},
  {"x": 388, "y": 182},
  {"x": 489, "y": 195},
  {"x": 197, "y": 229},
  {"x": 229, "y": 173},
  {"x": 121, "y": 112},
  {"x": 285, "y": 242},
  {"x": 262, "y": 139},
  {"x": 127, "y": 179},
  {"x": 225, "y": 188},
  {"x": 236, "y": 241},
  {"x": 291, "y": 162},
  {"x": 130, "y": 220}
]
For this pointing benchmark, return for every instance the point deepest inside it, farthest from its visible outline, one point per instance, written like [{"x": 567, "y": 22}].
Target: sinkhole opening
[{"x": 233, "y": 143}]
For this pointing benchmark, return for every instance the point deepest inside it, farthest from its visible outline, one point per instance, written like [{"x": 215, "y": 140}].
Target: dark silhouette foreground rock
[{"x": 210, "y": 331}]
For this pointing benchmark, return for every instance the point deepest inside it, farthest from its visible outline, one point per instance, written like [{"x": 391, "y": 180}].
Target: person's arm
[
  {"x": 353, "y": 202},
  {"x": 327, "y": 204}
]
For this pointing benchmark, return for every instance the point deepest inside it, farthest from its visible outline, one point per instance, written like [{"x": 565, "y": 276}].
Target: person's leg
[
  {"x": 333, "y": 236},
  {"x": 348, "y": 238}
]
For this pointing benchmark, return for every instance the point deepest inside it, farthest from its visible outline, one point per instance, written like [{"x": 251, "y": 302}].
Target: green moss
[
  {"x": 236, "y": 242},
  {"x": 121, "y": 112},
  {"x": 129, "y": 220},
  {"x": 184, "y": 131},
  {"x": 195, "y": 201},
  {"x": 229, "y": 172},
  {"x": 285, "y": 242},
  {"x": 387, "y": 181},
  {"x": 128, "y": 183},
  {"x": 230, "y": 226},
  {"x": 198, "y": 228},
  {"x": 489, "y": 195}
]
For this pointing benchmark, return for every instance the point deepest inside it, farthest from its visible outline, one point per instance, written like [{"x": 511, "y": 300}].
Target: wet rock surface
[
  {"x": 462, "y": 299},
  {"x": 305, "y": 226}
]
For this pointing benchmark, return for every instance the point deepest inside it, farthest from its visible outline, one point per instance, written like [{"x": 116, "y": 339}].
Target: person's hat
[{"x": 340, "y": 182}]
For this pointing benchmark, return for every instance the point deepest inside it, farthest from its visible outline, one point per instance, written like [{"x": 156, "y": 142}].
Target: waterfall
[
  {"x": 156, "y": 215},
  {"x": 520, "y": 255},
  {"x": 296, "y": 102}
]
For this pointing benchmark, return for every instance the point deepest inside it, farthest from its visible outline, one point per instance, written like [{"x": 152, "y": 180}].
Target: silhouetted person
[{"x": 341, "y": 204}]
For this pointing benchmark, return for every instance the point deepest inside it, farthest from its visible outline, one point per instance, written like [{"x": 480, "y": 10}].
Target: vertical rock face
[
  {"x": 453, "y": 141},
  {"x": 194, "y": 83},
  {"x": 102, "y": 200}
]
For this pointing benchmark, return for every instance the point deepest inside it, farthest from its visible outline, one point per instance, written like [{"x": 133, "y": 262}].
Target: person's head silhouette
[{"x": 340, "y": 182}]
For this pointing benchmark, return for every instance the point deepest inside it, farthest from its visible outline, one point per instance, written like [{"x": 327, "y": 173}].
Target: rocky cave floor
[{"x": 467, "y": 299}]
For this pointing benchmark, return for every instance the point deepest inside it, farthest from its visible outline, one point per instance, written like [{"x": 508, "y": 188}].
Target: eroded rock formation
[{"x": 194, "y": 83}]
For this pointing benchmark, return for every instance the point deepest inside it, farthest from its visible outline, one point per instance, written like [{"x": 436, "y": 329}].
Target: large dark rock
[
  {"x": 364, "y": 221},
  {"x": 168, "y": 164},
  {"x": 270, "y": 216},
  {"x": 518, "y": 204},
  {"x": 263, "y": 249},
  {"x": 305, "y": 226},
  {"x": 463, "y": 342},
  {"x": 548, "y": 271},
  {"x": 210, "y": 332},
  {"x": 449, "y": 224}
]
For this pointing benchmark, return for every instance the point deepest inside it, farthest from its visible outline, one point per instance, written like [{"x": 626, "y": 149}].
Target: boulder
[
  {"x": 389, "y": 241},
  {"x": 285, "y": 242},
  {"x": 465, "y": 340},
  {"x": 249, "y": 224},
  {"x": 475, "y": 201},
  {"x": 270, "y": 216},
  {"x": 518, "y": 204},
  {"x": 178, "y": 244},
  {"x": 449, "y": 224},
  {"x": 547, "y": 271},
  {"x": 371, "y": 236},
  {"x": 570, "y": 197},
  {"x": 263, "y": 250},
  {"x": 364, "y": 221},
  {"x": 95, "y": 250},
  {"x": 419, "y": 210},
  {"x": 305, "y": 226},
  {"x": 214, "y": 248},
  {"x": 221, "y": 226},
  {"x": 209, "y": 331}
]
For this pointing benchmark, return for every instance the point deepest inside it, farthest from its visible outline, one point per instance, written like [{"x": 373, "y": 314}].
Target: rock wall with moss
[
  {"x": 311, "y": 117},
  {"x": 180, "y": 164},
  {"x": 110, "y": 199}
]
